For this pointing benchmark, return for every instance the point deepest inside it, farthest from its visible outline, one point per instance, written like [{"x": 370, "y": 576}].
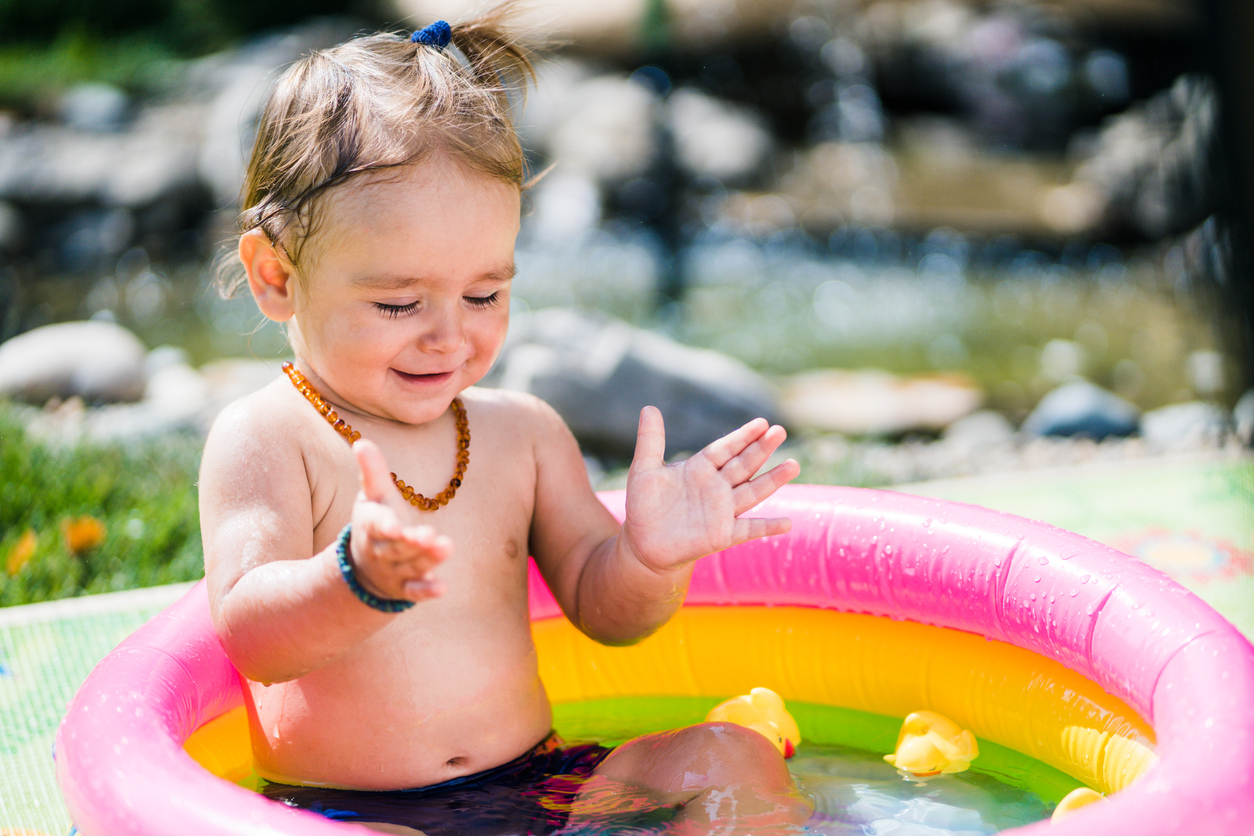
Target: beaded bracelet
[{"x": 350, "y": 577}]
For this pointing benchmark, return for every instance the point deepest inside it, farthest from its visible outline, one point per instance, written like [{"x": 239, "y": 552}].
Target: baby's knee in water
[{"x": 729, "y": 753}]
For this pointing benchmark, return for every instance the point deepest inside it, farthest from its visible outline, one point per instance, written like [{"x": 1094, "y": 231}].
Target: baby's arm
[
  {"x": 279, "y": 611},
  {"x": 622, "y": 585}
]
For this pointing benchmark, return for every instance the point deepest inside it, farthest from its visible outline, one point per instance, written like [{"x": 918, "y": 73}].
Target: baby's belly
[{"x": 394, "y": 717}]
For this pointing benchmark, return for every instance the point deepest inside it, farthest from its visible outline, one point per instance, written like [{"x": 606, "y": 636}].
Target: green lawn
[{"x": 143, "y": 495}]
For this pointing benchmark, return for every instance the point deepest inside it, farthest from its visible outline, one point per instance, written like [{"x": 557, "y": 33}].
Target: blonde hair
[{"x": 378, "y": 102}]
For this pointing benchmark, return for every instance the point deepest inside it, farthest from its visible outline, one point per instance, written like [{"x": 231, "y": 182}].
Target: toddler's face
[{"x": 405, "y": 297}]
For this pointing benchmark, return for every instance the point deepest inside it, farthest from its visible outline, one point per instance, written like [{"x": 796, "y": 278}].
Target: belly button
[{"x": 456, "y": 763}]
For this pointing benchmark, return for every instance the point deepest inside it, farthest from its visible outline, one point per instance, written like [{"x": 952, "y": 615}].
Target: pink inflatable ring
[{"x": 1184, "y": 669}]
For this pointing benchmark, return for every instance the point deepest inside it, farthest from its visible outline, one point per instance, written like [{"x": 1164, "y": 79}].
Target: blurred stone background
[{"x": 967, "y": 234}]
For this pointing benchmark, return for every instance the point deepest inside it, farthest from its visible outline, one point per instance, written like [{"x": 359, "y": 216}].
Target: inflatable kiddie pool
[{"x": 1036, "y": 639}]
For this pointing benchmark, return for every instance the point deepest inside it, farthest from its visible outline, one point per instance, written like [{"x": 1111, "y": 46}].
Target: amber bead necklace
[{"x": 342, "y": 427}]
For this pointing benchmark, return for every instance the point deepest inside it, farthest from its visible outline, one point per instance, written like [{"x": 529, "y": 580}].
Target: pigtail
[
  {"x": 497, "y": 60},
  {"x": 383, "y": 101}
]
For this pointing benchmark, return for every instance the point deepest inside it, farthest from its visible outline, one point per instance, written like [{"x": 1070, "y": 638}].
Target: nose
[{"x": 445, "y": 332}]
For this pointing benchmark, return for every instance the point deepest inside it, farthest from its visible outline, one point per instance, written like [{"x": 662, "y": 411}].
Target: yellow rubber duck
[
  {"x": 763, "y": 711},
  {"x": 1074, "y": 800},
  {"x": 930, "y": 743}
]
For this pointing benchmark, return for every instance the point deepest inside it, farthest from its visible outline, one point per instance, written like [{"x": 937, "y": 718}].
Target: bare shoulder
[
  {"x": 255, "y": 501},
  {"x": 506, "y": 402},
  {"x": 504, "y": 410},
  {"x": 253, "y": 429}
]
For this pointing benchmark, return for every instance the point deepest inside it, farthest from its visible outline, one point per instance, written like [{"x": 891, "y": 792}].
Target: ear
[{"x": 271, "y": 277}]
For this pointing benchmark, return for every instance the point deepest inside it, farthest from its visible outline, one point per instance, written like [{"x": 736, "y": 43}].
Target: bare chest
[{"x": 488, "y": 518}]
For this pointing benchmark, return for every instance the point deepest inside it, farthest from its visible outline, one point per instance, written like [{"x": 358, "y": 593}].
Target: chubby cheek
[
  {"x": 488, "y": 337},
  {"x": 356, "y": 351}
]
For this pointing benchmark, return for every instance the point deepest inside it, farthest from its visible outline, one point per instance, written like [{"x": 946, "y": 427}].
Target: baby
[{"x": 381, "y": 620}]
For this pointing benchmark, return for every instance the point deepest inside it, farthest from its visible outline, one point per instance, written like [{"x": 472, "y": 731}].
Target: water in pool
[
  {"x": 856, "y": 792},
  {"x": 840, "y": 768}
]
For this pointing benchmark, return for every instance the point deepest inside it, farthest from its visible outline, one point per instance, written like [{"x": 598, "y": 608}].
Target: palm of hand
[{"x": 678, "y": 513}]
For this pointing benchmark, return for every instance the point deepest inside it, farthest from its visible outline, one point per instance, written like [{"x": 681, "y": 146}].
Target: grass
[{"x": 82, "y": 519}]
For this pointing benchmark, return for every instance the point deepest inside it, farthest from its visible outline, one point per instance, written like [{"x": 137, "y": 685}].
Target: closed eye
[
  {"x": 393, "y": 311},
  {"x": 484, "y": 301}
]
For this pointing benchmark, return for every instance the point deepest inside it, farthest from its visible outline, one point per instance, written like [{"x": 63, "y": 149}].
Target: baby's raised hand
[
  {"x": 678, "y": 513},
  {"x": 391, "y": 560}
]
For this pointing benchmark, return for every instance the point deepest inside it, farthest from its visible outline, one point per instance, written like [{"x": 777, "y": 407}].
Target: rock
[
  {"x": 97, "y": 361},
  {"x": 175, "y": 398},
  {"x": 1155, "y": 163},
  {"x": 564, "y": 207},
  {"x": 1243, "y": 418},
  {"x": 177, "y": 389},
  {"x": 162, "y": 357},
  {"x": 1185, "y": 425},
  {"x": 88, "y": 196},
  {"x": 550, "y": 102},
  {"x": 617, "y": 27},
  {"x": 985, "y": 428},
  {"x": 1206, "y": 372},
  {"x": 94, "y": 107},
  {"x": 1079, "y": 407},
  {"x": 716, "y": 138},
  {"x": 876, "y": 403},
  {"x": 607, "y": 131},
  {"x": 236, "y": 83},
  {"x": 12, "y": 228},
  {"x": 92, "y": 236},
  {"x": 598, "y": 372},
  {"x": 45, "y": 164},
  {"x": 232, "y": 378},
  {"x": 1063, "y": 359}
]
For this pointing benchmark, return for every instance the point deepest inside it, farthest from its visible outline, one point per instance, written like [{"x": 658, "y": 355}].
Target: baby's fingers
[
  {"x": 376, "y": 481},
  {"x": 749, "y": 494},
  {"x": 395, "y": 558},
  {"x": 424, "y": 551},
  {"x": 725, "y": 449},
  {"x": 650, "y": 440},
  {"x": 424, "y": 548},
  {"x": 741, "y": 467},
  {"x": 375, "y": 522},
  {"x": 751, "y": 528}
]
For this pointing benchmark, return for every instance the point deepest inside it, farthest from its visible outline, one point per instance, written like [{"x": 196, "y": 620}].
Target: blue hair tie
[{"x": 437, "y": 35}]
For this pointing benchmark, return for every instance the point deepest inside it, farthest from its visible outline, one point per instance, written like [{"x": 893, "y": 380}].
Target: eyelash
[
  {"x": 484, "y": 301},
  {"x": 394, "y": 311}
]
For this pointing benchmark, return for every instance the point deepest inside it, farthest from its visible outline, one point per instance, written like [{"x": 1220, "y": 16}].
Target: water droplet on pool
[
  {"x": 1044, "y": 561},
  {"x": 1085, "y": 579},
  {"x": 1074, "y": 592}
]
